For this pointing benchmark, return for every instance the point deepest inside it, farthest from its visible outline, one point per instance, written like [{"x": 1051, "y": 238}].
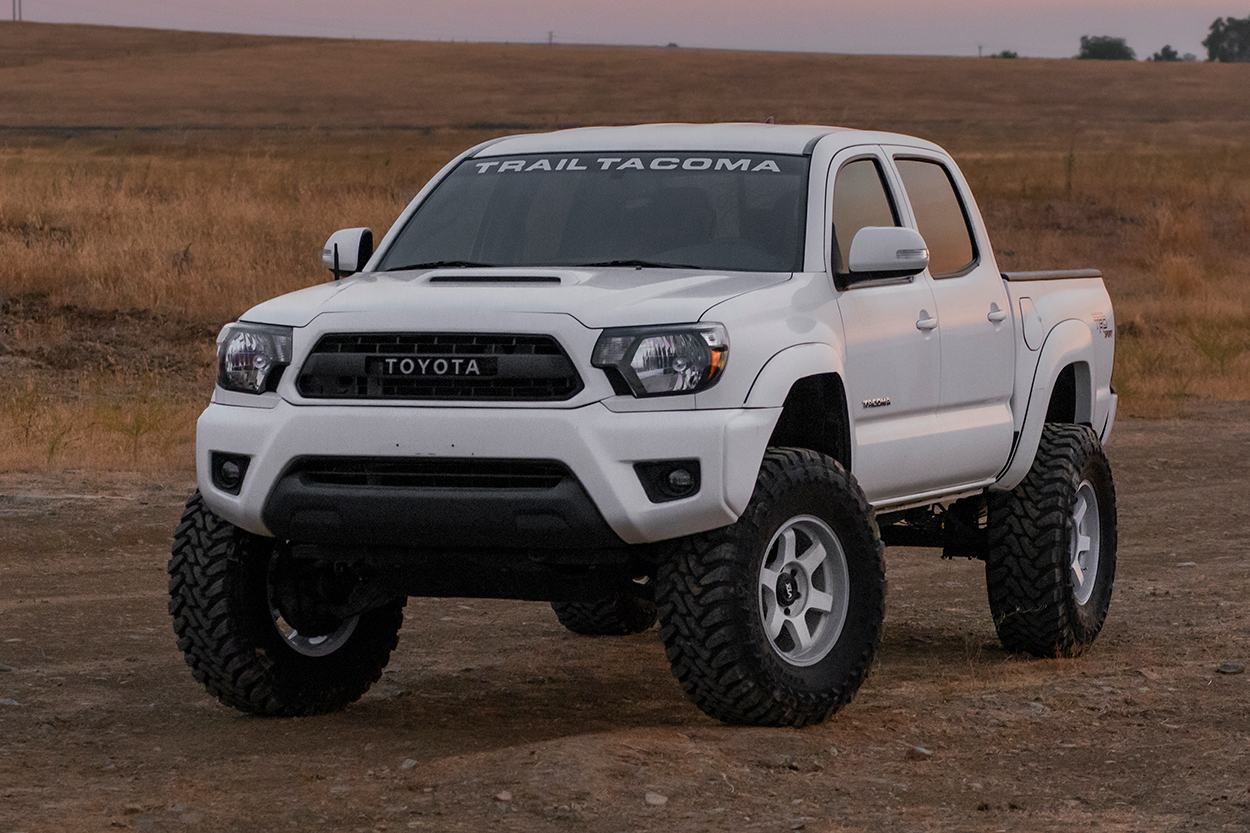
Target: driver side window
[{"x": 860, "y": 199}]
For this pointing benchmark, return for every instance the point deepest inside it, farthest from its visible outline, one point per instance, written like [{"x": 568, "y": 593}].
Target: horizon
[{"x": 964, "y": 28}]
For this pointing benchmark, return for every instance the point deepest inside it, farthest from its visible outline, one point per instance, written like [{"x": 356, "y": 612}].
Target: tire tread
[
  {"x": 701, "y": 583},
  {"x": 618, "y": 615},
  {"x": 223, "y": 650},
  {"x": 1025, "y": 568}
]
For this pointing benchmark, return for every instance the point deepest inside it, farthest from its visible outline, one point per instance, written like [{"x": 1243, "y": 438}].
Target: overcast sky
[{"x": 1033, "y": 28}]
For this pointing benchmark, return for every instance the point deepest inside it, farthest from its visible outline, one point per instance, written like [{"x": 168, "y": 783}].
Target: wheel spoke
[
  {"x": 813, "y": 558},
  {"x": 1082, "y": 545},
  {"x": 787, "y": 544},
  {"x": 768, "y": 580},
  {"x": 1077, "y": 572},
  {"x": 819, "y": 600},
  {"x": 774, "y": 621},
  {"x": 1078, "y": 513},
  {"x": 798, "y": 630}
]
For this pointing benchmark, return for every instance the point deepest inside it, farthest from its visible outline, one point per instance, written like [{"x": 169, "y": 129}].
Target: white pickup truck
[{"x": 705, "y": 372}]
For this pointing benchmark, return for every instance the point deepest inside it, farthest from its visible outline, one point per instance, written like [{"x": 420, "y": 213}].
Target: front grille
[
  {"x": 430, "y": 472},
  {"x": 439, "y": 366}
]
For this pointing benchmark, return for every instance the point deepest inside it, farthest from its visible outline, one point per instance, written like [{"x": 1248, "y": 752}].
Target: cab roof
[{"x": 794, "y": 139}]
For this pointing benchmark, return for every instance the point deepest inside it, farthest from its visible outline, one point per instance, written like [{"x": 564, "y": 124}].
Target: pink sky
[{"x": 1043, "y": 28}]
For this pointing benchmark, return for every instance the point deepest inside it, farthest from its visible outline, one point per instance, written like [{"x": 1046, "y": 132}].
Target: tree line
[{"x": 1227, "y": 42}]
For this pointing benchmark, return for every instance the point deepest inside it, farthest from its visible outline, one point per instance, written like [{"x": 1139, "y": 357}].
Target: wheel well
[
  {"x": 814, "y": 417},
  {"x": 1069, "y": 399}
]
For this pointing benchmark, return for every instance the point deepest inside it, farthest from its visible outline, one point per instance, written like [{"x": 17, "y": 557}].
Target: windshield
[{"x": 711, "y": 210}]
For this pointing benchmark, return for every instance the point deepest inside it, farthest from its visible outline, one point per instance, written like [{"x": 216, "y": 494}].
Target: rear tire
[
  {"x": 228, "y": 627},
  {"x": 618, "y": 615},
  {"x": 775, "y": 620},
  {"x": 1050, "y": 568}
]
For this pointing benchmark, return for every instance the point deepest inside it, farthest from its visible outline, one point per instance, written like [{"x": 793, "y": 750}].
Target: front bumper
[{"x": 598, "y": 446}]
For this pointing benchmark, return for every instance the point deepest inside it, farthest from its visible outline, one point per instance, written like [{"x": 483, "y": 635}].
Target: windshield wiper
[
  {"x": 436, "y": 264},
  {"x": 641, "y": 263}
]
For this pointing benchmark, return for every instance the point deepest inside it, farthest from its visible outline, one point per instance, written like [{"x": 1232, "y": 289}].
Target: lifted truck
[{"x": 699, "y": 372}]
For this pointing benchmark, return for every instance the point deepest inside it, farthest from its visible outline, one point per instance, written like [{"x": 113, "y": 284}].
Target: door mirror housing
[
  {"x": 882, "y": 252},
  {"x": 347, "y": 251}
]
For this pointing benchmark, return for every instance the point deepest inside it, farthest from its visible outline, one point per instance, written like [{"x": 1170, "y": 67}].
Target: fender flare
[
  {"x": 1068, "y": 342},
  {"x": 772, "y": 384},
  {"x": 767, "y": 394}
]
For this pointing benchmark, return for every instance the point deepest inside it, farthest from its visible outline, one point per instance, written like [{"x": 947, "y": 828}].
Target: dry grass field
[{"x": 180, "y": 178}]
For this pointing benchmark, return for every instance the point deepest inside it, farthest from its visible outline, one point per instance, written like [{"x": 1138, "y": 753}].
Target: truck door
[
  {"x": 973, "y": 316},
  {"x": 892, "y": 351}
]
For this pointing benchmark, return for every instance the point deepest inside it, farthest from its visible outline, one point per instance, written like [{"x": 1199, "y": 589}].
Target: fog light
[
  {"x": 231, "y": 474},
  {"x": 680, "y": 480},
  {"x": 228, "y": 471},
  {"x": 666, "y": 480}
]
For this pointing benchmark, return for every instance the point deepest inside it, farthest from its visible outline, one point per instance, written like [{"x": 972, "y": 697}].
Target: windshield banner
[{"x": 739, "y": 163}]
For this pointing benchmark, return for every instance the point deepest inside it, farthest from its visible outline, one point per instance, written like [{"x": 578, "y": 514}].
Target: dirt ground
[{"x": 491, "y": 716}]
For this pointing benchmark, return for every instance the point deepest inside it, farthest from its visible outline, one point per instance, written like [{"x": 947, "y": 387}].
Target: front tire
[
  {"x": 236, "y": 641},
  {"x": 1050, "y": 568},
  {"x": 775, "y": 620}
]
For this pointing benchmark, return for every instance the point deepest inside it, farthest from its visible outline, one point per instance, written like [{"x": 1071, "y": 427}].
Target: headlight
[
  {"x": 656, "y": 361},
  {"x": 250, "y": 356}
]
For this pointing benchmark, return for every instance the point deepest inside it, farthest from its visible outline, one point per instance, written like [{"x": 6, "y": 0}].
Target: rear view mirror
[
  {"x": 879, "y": 252},
  {"x": 347, "y": 251}
]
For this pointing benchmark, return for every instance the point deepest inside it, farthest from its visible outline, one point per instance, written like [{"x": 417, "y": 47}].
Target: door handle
[
  {"x": 996, "y": 314},
  {"x": 926, "y": 322}
]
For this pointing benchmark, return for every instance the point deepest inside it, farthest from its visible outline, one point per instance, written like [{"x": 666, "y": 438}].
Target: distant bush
[
  {"x": 1105, "y": 48},
  {"x": 1229, "y": 41},
  {"x": 1006, "y": 53},
  {"x": 1167, "y": 53}
]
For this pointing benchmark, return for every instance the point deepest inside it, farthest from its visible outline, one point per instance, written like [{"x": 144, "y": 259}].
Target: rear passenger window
[
  {"x": 940, "y": 216},
  {"x": 859, "y": 199}
]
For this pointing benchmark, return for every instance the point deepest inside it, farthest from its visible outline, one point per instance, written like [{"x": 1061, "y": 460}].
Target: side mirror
[
  {"x": 879, "y": 252},
  {"x": 347, "y": 251}
]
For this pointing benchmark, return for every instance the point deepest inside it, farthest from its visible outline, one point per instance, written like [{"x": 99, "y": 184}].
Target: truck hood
[{"x": 598, "y": 298}]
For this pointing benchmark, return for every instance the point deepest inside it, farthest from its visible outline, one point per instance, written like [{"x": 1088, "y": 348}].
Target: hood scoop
[{"x": 495, "y": 279}]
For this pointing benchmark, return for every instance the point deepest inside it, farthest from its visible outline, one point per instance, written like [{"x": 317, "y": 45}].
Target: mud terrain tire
[
  {"x": 1052, "y": 546},
  {"x": 617, "y": 615},
  {"x": 226, "y": 627},
  {"x": 775, "y": 620}
]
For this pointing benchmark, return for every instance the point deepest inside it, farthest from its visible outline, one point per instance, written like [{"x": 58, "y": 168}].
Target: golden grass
[
  {"x": 126, "y": 423},
  {"x": 85, "y": 76},
  {"x": 197, "y": 231},
  {"x": 1171, "y": 231},
  {"x": 196, "y": 175}
]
